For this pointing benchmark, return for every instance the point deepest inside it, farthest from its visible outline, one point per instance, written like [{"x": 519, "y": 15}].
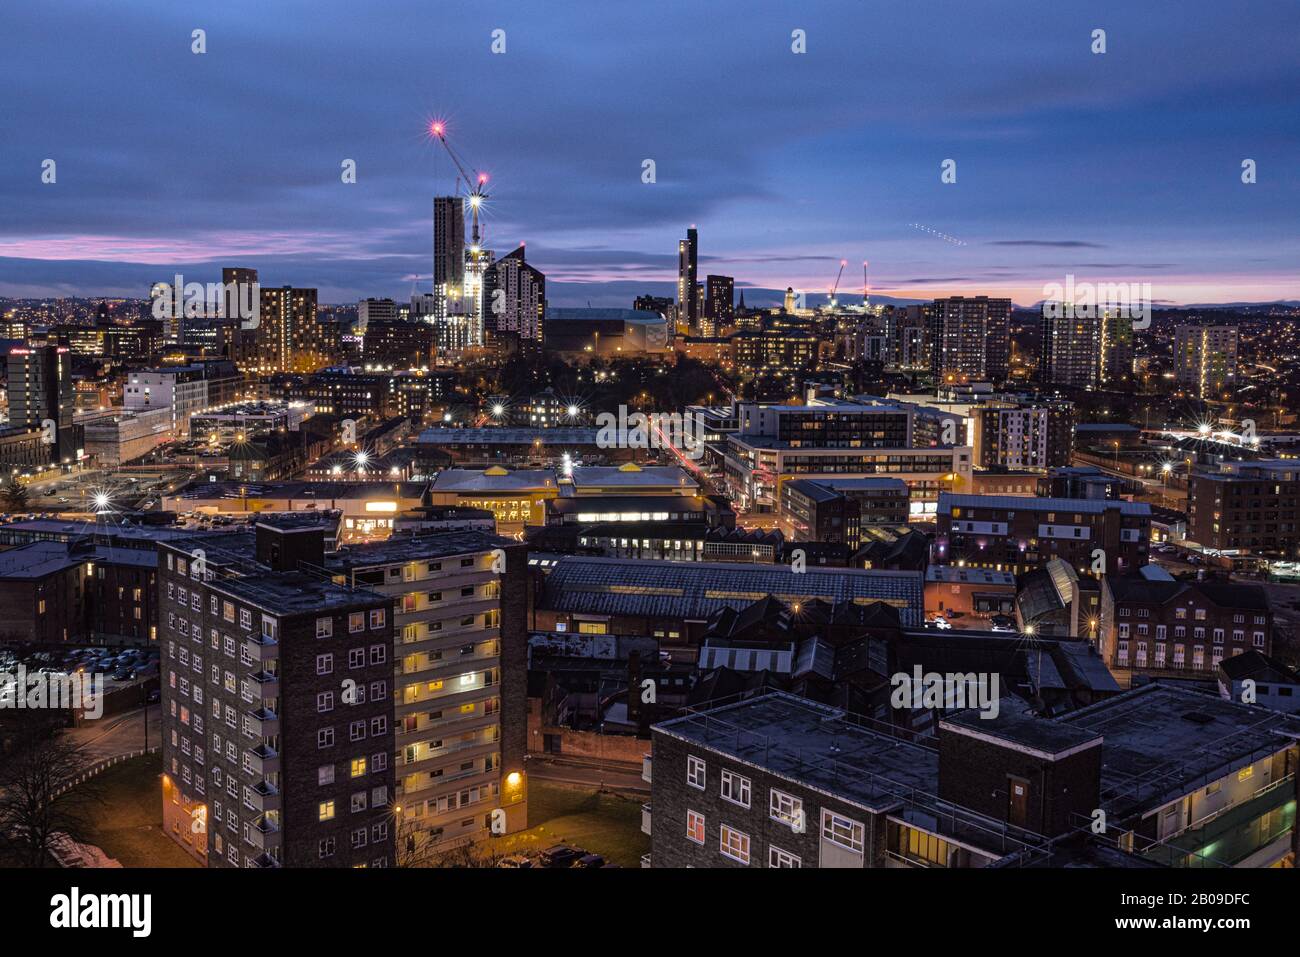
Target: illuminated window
[
  {"x": 358, "y": 767},
  {"x": 734, "y": 844},
  {"x": 326, "y": 812},
  {"x": 695, "y": 826}
]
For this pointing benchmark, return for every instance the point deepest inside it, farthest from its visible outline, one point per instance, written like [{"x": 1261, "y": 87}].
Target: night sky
[{"x": 1124, "y": 166}]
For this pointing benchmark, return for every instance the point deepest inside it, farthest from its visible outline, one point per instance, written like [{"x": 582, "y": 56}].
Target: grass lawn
[
  {"x": 128, "y": 824},
  {"x": 604, "y": 824}
]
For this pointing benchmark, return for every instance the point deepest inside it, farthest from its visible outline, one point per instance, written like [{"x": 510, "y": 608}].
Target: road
[
  {"x": 118, "y": 734},
  {"x": 587, "y": 773}
]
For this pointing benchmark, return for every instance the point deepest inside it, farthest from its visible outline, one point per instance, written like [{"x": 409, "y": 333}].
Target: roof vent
[{"x": 1197, "y": 717}]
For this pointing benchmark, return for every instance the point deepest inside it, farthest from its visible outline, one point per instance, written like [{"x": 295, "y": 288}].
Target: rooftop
[
  {"x": 815, "y": 745},
  {"x": 1021, "y": 503},
  {"x": 1017, "y": 726},
  {"x": 695, "y": 590},
  {"x": 418, "y": 547},
  {"x": 971, "y": 576},
  {"x": 507, "y": 435},
  {"x": 1163, "y": 741},
  {"x": 288, "y": 593}
]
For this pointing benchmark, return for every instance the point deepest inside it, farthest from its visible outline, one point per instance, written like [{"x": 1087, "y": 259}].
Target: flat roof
[
  {"x": 39, "y": 559},
  {"x": 495, "y": 480},
  {"x": 971, "y": 576},
  {"x": 814, "y": 745},
  {"x": 1162, "y": 741},
  {"x": 509, "y": 435},
  {"x": 1028, "y": 503},
  {"x": 295, "y": 592},
  {"x": 1022, "y": 730},
  {"x": 418, "y": 547},
  {"x": 632, "y": 476}
]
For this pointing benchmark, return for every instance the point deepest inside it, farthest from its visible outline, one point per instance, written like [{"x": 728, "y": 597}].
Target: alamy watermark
[
  {"x": 950, "y": 691},
  {"x": 24, "y": 690},
  {"x": 1086, "y": 300},
  {"x": 683, "y": 432},
  {"x": 189, "y": 300}
]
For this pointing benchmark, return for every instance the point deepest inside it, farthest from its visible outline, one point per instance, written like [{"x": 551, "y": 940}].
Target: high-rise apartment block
[
  {"x": 970, "y": 338},
  {"x": 277, "y": 704},
  {"x": 459, "y": 679},
  {"x": 1205, "y": 358},
  {"x": 687, "y": 262},
  {"x": 41, "y": 398},
  {"x": 514, "y": 294}
]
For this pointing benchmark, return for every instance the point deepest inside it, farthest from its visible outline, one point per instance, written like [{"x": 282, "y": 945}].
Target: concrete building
[{"x": 460, "y": 648}]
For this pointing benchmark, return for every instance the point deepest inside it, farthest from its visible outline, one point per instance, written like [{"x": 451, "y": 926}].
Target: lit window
[
  {"x": 734, "y": 844},
  {"x": 695, "y": 826}
]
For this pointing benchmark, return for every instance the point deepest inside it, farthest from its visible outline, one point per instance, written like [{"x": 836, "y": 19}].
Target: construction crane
[
  {"x": 474, "y": 182},
  {"x": 839, "y": 275}
]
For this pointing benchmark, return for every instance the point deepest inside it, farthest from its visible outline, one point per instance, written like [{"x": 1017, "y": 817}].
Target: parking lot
[{"x": 119, "y": 667}]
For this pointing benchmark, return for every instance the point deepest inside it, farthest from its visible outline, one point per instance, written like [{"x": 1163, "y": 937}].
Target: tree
[
  {"x": 14, "y": 496},
  {"x": 32, "y": 812},
  {"x": 419, "y": 850}
]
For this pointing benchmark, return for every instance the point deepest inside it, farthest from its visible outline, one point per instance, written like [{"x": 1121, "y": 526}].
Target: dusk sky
[{"x": 1120, "y": 167}]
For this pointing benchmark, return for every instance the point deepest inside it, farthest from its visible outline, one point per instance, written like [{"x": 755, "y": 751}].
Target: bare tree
[
  {"x": 40, "y": 763},
  {"x": 420, "y": 851}
]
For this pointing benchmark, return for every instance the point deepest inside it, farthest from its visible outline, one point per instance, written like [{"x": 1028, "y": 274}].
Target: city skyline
[{"x": 1068, "y": 162}]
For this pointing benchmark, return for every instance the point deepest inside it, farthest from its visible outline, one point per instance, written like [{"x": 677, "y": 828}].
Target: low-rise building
[
  {"x": 1015, "y": 534},
  {"x": 1175, "y": 627}
]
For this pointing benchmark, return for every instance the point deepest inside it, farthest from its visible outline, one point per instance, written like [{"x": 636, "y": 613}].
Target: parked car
[
  {"x": 153, "y": 697},
  {"x": 589, "y": 860},
  {"x": 515, "y": 860},
  {"x": 561, "y": 855}
]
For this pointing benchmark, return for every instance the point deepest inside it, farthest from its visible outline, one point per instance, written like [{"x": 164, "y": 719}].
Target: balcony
[
  {"x": 645, "y": 819},
  {"x": 265, "y": 833},
  {"x": 265, "y": 722},
  {"x": 265, "y": 797},
  {"x": 645, "y": 767},
  {"x": 261, "y": 647},
  {"x": 268, "y": 683},
  {"x": 1234, "y": 834},
  {"x": 645, "y": 860},
  {"x": 264, "y": 760},
  {"x": 265, "y": 860}
]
